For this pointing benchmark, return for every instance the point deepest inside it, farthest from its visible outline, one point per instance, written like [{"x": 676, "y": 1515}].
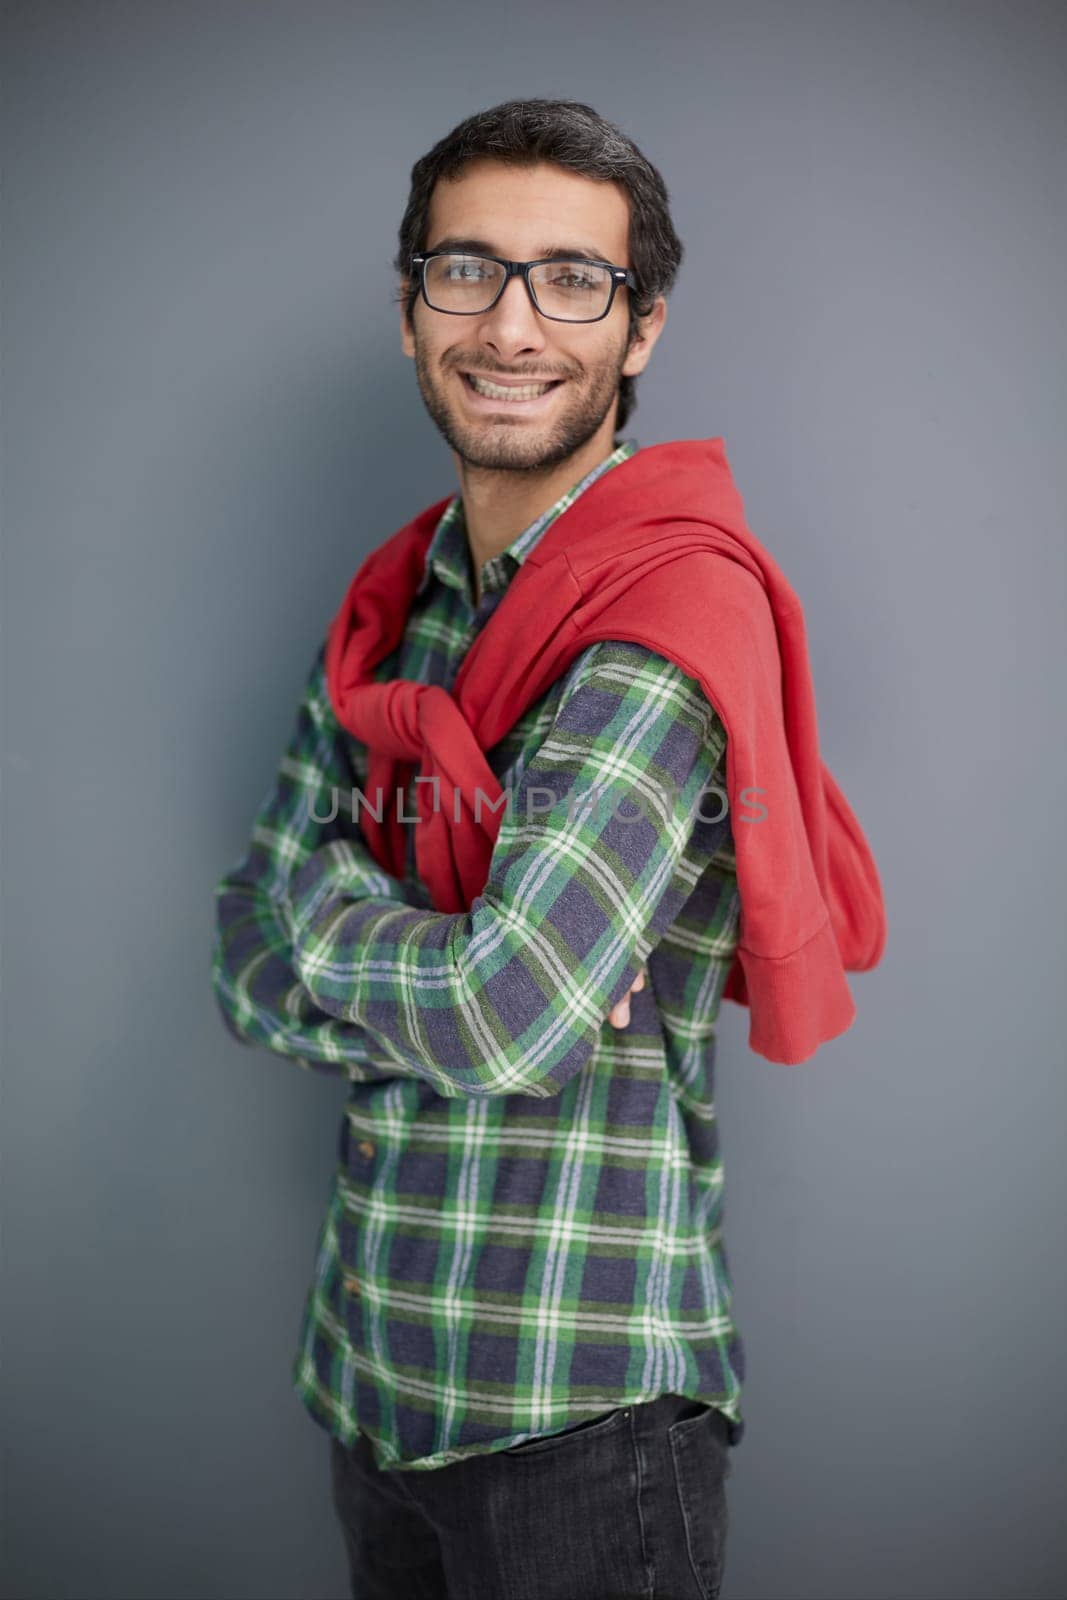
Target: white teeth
[{"x": 496, "y": 391}]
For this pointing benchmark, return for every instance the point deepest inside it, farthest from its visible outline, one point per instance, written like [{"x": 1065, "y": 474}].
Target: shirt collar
[{"x": 447, "y": 553}]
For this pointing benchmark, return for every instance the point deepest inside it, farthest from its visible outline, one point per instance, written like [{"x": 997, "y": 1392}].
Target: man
[{"x": 519, "y": 1332}]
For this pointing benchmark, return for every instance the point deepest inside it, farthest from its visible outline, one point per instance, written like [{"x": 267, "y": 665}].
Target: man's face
[{"x": 522, "y": 213}]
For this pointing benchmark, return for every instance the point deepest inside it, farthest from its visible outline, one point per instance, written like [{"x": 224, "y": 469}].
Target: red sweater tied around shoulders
[{"x": 655, "y": 551}]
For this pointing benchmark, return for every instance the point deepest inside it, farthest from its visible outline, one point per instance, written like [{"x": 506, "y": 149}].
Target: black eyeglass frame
[{"x": 521, "y": 269}]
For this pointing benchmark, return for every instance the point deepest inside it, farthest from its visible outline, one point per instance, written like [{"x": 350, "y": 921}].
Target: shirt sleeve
[
  {"x": 261, "y": 998},
  {"x": 511, "y": 996}
]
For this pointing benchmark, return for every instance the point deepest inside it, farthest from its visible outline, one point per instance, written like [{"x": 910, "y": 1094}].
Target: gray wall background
[{"x": 207, "y": 422}]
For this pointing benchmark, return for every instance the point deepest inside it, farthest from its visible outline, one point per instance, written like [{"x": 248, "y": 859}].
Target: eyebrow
[{"x": 483, "y": 247}]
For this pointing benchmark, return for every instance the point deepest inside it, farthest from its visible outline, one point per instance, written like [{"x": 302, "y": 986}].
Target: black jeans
[{"x": 629, "y": 1506}]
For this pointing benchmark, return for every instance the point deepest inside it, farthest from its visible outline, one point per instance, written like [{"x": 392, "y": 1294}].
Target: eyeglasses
[{"x": 565, "y": 291}]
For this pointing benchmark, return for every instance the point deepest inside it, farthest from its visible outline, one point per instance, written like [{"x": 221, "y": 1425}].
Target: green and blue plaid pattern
[{"x": 524, "y": 1227}]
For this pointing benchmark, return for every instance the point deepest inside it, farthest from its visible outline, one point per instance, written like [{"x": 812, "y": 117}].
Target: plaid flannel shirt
[{"x": 524, "y": 1227}]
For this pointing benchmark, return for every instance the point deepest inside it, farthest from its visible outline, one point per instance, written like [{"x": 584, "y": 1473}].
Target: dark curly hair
[{"x": 573, "y": 135}]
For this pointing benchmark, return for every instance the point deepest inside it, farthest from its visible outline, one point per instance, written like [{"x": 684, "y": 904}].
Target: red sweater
[{"x": 656, "y": 551}]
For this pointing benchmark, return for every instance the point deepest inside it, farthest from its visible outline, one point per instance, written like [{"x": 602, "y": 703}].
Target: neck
[{"x": 498, "y": 505}]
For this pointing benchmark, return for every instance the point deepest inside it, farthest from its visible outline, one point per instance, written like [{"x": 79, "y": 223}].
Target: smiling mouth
[{"x": 510, "y": 393}]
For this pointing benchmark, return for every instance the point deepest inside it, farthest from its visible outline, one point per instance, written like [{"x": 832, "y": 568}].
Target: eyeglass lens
[{"x": 576, "y": 291}]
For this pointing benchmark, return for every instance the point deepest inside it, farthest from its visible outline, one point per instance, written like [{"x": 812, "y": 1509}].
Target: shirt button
[
  {"x": 351, "y": 1284},
  {"x": 365, "y": 1148}
]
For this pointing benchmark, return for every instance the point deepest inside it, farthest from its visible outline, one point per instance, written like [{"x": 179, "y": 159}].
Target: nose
[{"x": 513, "y": 327}]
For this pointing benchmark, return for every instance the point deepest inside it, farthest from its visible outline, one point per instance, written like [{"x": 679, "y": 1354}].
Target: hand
[{"x": 619, "y": 1015}]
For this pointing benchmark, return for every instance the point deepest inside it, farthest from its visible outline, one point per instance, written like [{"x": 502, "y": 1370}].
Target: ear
[
  {"x": 649, "y": 329},
  {"x": 407, "y": 338}
]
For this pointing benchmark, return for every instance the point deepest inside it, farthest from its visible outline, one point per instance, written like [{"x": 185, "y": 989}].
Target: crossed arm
[{"x": 320, "y": 956}]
